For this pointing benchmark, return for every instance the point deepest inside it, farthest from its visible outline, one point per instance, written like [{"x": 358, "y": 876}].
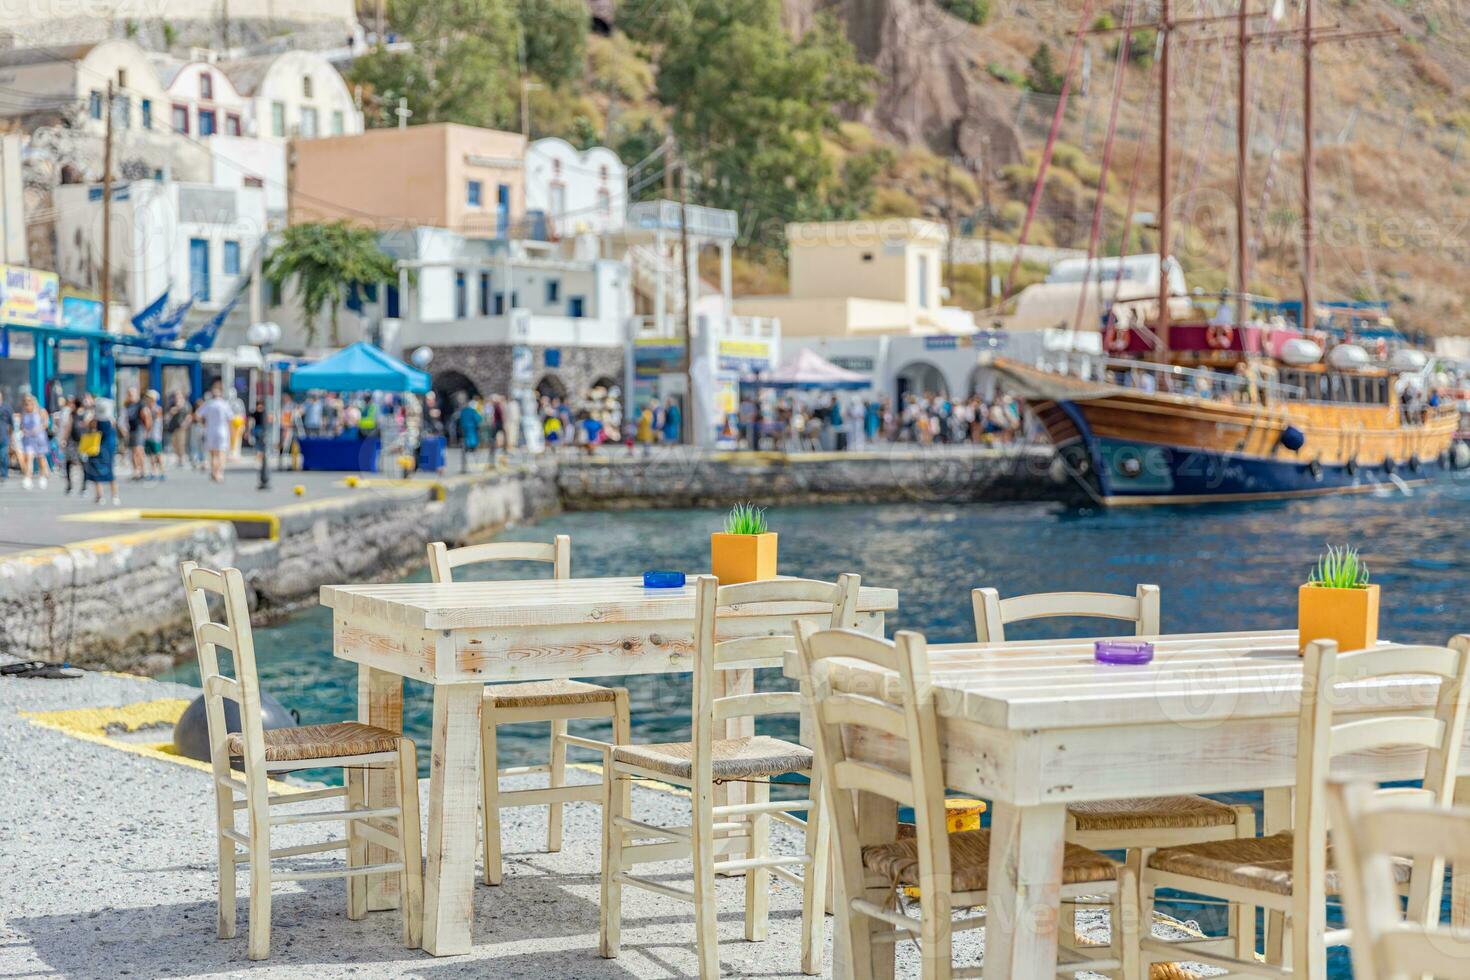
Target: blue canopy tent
[{"x": 361, "y": 367}]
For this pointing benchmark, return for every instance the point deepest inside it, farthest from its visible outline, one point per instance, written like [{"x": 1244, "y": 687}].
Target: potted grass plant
[
  {"x": 746, "y": 550},
  {"x": 1338, "y": 602}
]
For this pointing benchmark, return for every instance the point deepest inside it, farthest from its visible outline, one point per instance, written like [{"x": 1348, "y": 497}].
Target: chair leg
[
  {"x": 612, "y": 864},
  {"x": 758, "y": 880},
  {"x": 1145, "y": 927},
  {"x": 1276, "y": 938},
  {"x": 1459, "y": 896},
  {"x": 815, "y": 884},
  {"x": 1243, "y": 917},
  {"x": 260, "y": 898},
  {"x": 490, "y": 796},
  {"x": 357, "y": 885},
  {"x": 410, "y": 845},
  {"x": 1127, "y": 923},
  {"x": 558, "y": 778},
  {"x": 707, "y": 939},
  {"x": 622, "y": 735},
  {"x": 225, "y": 815}
]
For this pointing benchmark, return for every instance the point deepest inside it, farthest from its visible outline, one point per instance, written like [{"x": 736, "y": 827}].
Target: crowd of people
[
  {"x": 835, "y": 422},
  {"x": 84, "y": 440}
]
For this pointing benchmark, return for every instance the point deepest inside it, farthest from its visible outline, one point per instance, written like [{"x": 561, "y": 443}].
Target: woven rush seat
[
  {"x": 969, "y": 861},
  {"x": 1260, "y": 863},
  {"x": 1152, "y": 813},
  {"x": 544, "y": 694},
  {"x": 733, "y": 758},
  {"x": 320, "y": 742}
]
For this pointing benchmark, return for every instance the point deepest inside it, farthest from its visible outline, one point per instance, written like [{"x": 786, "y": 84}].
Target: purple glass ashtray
[{"x": 1123, "y": 651}]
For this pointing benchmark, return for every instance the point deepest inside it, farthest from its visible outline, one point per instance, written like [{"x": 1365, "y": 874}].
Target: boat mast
[
  {"x": 1242, "y": 148},
  {"x": 1165, "y": 179},
  {"x": 1309, "y": 309}
]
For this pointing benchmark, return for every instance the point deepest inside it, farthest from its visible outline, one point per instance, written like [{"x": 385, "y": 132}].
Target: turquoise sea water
[{"x": 1220, "y": 568}]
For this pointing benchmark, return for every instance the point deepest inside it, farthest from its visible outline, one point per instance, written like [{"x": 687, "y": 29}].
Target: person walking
[
  {"x": 673, "y": 422},
  {"x": 7, "y": 422},
  {"x": 99, "y": 468},
  {"x": 35, "y": 442},
  {"x": 469, "y": 432},
  {"x": 152, "y": 417},
  {"x": 218, "y": 418},
  {"x": 132, "y": 421},
  {"x": 78, "y": 425},
  {"x": 176, "y": 428}
]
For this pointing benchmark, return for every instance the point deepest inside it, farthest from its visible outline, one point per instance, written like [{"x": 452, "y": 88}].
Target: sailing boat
[{"x": 1238, "y": 405}]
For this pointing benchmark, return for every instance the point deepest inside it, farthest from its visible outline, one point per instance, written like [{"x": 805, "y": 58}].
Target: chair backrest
[
  {"x": 1368, "y": 833},
  {"x": 782, "y": 599},
  {"x": 1324, "y": 735},
  {"x": 558, "y": 554},
  {"x": 992, "y": 613},
  {"x": 235, "y": 635},
  {"x": 849, "y": 711}
]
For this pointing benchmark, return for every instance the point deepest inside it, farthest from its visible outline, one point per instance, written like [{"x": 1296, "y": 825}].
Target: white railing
[
  {"x": 703, "y": 222},
  {"x": 1199, "y": 382}
]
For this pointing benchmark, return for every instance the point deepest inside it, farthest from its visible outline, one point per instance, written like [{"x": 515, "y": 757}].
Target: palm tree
[{"x": 325, "y": 260}]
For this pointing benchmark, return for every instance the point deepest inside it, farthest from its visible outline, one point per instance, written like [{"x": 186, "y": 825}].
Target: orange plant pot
[
  {"x": 736, "y": 558},
  {"x": 1348, "y": 616}
]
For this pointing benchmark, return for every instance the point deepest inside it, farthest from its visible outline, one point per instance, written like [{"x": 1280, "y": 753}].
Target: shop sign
[{"x": 29, "y": 297}]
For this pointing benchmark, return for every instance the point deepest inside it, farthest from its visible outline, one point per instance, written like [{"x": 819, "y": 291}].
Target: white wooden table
[
  {"x": 1037, "y": 725},
  {"x": 462, "y": 635}
]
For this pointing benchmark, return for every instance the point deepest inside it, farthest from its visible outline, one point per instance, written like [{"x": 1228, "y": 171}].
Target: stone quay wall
[{"x": 115, "y": 602}]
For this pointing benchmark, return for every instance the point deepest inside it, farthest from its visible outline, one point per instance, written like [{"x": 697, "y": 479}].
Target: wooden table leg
[
  {"x": 1025, "y": 891},
  {"x": 449, "y": 881},
  {"x": 380, "y": 703}
]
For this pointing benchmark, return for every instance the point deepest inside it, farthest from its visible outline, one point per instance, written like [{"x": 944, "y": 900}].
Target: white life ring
[{"x": 1220, "y": 335}]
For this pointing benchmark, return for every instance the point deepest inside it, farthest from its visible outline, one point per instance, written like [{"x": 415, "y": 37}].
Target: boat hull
[
  {"x": 1119, "y": 472},
  {"x": 1129, "y": 447}
]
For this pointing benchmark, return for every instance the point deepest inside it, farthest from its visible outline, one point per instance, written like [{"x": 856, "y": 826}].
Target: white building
[
  {"x": 203, "y": 101},
  {"x": 47, "y": 84},
  {"x": 294, "y": 94},
  {"x": 188, "y": 238},
  {"x": 576, "y": 192},
  {"x": 13, "y": 249}
]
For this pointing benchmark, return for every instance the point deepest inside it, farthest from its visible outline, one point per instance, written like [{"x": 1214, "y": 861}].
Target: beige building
[
  {"x": 467, "y": 180},
  {"x": 863, "y": 278}
]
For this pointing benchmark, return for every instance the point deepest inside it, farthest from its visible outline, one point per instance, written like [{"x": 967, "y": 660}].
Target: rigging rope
[
  {"x": 1120, "y": 74},
  {"x": 1051, "y": 143},
  {"x": 1143, "y": 132}
]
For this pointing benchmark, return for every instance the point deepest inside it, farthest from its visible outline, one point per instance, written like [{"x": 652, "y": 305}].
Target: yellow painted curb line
[
  {"x": 102, "y": 546},
  {"x": 436, "y": 489},
  {"x": 96, "y": 725},
  {"x": 271, "y": 521}
]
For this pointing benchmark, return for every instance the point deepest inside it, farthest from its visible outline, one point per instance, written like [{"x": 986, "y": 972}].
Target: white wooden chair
[
  {"x": 711, "y": 756},
  {"x": 554, "y": 701},
  {"x": 1370, "y": 834},
  {"x": 950, "y": 869},
  {"x": 1136, "y": 825},
  {"x": 349, "y": 745},
  {"x": 1292, "y": 873}
]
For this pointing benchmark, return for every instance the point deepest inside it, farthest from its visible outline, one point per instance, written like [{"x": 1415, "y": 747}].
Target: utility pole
[
  {"x": 1242, "y": 170},
  {"x": 949, "y": 229},
  {"x": 1166, "y": 177},
  {"x": 985, "y": 200},
  {"x": 382, "y": 22},
  {"x": 525, "y": 85},
  {"x": 688, "y": 426},
  {"x": 107, "y": 213},
  {"x": 1309, "y": 309}
]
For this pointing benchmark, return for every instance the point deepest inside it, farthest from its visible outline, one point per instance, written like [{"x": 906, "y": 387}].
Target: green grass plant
[
  {"x": 1340, "y": 568},
  {"x": 746, "y": 519}
]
